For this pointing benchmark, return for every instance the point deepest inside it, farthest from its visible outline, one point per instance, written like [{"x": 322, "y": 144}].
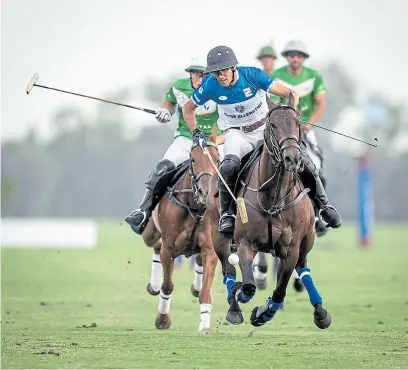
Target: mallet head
[{"x": 32, "y": 82}]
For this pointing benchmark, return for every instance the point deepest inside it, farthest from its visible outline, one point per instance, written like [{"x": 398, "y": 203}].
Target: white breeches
[{"x": 239, "y": 143}]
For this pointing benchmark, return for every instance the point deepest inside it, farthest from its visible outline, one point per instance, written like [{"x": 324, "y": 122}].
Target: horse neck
[{"x": 278, "y": 180}]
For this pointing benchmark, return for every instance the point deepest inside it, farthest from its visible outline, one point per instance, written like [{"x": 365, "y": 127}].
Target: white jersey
[{"x": 241, "y": 104}]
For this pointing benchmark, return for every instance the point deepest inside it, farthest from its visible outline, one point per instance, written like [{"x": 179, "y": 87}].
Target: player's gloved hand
[
  {"x": 199, "y": 138},
  {"x": 163, "y": 115}
]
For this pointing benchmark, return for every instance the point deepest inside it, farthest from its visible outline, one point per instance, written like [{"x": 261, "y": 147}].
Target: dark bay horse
[
  {"x": 281, "y": 219},
  {"x": 178, "y": 226}
]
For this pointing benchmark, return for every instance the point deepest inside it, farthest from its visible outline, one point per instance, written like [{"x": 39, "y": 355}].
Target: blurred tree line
[{"x": 94, "y": 169}]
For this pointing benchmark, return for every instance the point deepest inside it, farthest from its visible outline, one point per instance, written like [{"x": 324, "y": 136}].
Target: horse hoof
[
  {"x": 163, "y": 321},
  {"x": 257, "y": 322},
  {"x": 298, "y": 286},
  {"x": 261, "y": 284},
  {"x": 234, "y": 317},
  {"x": 151, "y": 291},
  {"x": 323, "y": 323},
  {"x": 206, "y": 331},
  {"x": 194, "y": 292}
]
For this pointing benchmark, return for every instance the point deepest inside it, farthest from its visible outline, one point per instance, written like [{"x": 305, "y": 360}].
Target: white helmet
[
  {"x": 295, "y": 45},
  {"x": 197, "y": 64}
]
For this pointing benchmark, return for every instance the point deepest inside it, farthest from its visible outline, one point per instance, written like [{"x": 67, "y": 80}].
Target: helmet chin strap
[{"x": 233, "y": 69}]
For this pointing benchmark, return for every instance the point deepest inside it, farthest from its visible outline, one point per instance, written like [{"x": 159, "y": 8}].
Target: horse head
[
  {"x": 282, "y": 135},
  {"x": 201, "y": 169}
]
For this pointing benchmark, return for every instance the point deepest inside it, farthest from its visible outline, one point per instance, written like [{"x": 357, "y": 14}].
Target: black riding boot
[
  {"x": 229, "y": 170},
  {"x": 310, "y": 176},
  {"x": 155, "y": 189},
  {"x": 320, "y": 227},
  {"x": 227, "y": 219}
]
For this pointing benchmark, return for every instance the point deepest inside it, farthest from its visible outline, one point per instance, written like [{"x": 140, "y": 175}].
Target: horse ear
[{"x": 291, "y": 100}]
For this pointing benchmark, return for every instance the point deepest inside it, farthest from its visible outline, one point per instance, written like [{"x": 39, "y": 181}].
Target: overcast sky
[{"x": 95, "y": 46}]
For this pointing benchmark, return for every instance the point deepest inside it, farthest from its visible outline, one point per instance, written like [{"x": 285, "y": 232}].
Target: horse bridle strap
[
  {"x": 196, "y": 177},
  {"x": 285, "y": 139}
]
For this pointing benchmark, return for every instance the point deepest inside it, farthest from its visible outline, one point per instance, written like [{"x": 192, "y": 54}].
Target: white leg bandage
[
  {"x": 157, "y": 272},
  {"x": 198, "y": 277},
  {"x": 205, "y": 316},
  {"x": 164, "y": 303}
]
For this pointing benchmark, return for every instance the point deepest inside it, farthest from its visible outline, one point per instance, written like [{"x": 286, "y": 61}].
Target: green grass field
[{"x": 49, "y": 295}]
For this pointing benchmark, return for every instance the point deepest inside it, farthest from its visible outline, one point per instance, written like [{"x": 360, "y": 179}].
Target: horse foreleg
[
  {"x": 198, "y": 275},
  {"x": 260, "y": 268},
  {"x": 246, "y": 291},
  {"x": 223, "y": 250},
  {"x": 322, "y": 318},
  {"x": 152, "y": 238},
  {"x": 210, "y": 260},
  {"x": 163, "y": 320},
  {"x": 156, "y": 275},
  {"x": 261, "y": 315}
]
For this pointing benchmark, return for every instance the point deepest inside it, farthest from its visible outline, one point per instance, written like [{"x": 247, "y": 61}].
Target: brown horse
[
  {"x": 281, "y": 219},
  {"x": 178, "y": 226}
]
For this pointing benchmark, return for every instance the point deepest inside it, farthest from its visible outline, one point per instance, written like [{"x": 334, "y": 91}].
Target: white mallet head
[
  {"x": 233, "y": 259},
  {"x": 32, "y": 82}
]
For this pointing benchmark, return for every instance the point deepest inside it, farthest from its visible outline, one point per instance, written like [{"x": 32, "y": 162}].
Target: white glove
[{"x": 163, "y": 115}]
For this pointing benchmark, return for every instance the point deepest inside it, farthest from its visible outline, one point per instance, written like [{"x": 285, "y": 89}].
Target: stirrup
[
  {"x": 133, "y": 213},
  {"x": 226, "y": 215},
  {"x": 329, "y": 206}
]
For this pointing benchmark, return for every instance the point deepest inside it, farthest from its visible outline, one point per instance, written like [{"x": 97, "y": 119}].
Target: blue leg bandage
[
  {"x": 307, "y": 281},
  {"x": 229, "y": 281}
]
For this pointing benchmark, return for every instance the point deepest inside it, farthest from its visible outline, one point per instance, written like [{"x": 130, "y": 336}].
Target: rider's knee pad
[
  {"x": 229, "y": 168},
  {"x": 162, "y": 167}
]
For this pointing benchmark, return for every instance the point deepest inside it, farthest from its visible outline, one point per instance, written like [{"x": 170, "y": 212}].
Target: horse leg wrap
[
  {"x": 307, "y": 281},
  {"x": 205, "y": 316},
  {"x": 198, "y": 276},
  {"x": 164, "y": 303},
  {"x": 265, "y": 313},
  {"x": 229, "y": 281},
  {"x": 240, "y": 296},
  {"x": 156, "y": 273}
]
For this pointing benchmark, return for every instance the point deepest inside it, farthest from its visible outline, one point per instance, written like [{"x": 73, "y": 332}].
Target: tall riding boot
[
  {"x": 227, "y": 219},
  {"x": 138, "y": 218},
  {"x": 327, "y": 211},
  {"x": 320, "y": 227},
  {"x": 155, "y": 188},
  {"x": 229, "y": 169}
]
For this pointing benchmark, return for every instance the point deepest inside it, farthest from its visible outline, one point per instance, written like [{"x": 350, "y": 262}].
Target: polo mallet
[
  {"x": 33, "y": 83},
  {"x": 240, "y": 201}
]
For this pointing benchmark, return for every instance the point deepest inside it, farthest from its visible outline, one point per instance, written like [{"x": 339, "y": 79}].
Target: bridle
[
  {"x": 196, "y": 177},
  {"x": 276, "y": 147}
]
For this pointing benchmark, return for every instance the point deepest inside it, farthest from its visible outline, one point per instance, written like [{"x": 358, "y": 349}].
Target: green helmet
[
  {"x": 197, "y": 64},
  {"x": 267, "y": 51}
]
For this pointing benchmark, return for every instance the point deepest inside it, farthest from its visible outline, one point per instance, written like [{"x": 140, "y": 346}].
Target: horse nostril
[{"x": 288, "y": 159}]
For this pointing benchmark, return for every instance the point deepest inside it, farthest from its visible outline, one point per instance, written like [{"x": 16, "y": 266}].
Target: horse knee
[
  {"x": 167, "y": 288},
  {"x": 199, "y": 259},
  {"x": 211, "y": 259}
]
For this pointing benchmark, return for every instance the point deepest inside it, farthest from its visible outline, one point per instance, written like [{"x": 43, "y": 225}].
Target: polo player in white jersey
[{"x": 240, "y": 93}]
